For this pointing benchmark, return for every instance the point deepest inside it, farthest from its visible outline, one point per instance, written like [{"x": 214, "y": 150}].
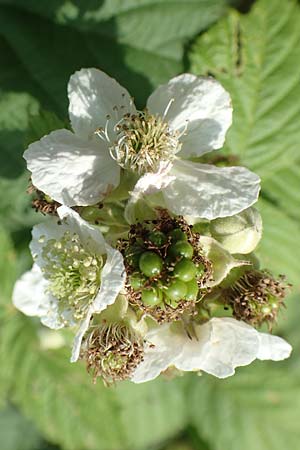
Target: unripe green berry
[
  {"x": 192, "y": 290},
  {"x": 185, "y": 270},
  {"x": 136, "y": 281},
  {"x": 178, "y": 235},
  {"x": 151, "y": 297},
  {"x": 176, "y": 290},
  {"x": 157, "y": 238},
  {"x": 150, "y": 264},
  {"x": 181, "y": 248}
]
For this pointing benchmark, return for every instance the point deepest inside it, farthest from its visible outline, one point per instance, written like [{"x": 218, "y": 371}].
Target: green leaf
[
  {"x": 152, "y": 412},
  {"x": 255, "y": 57},
  {"x": 140, "y": 42},
  {"x": 42, "y": 124},
  {"x": 179, "y": 446},
  {"x": 256, "y": 409},
  {"x": 279, "y": 250},
  {"x": 15, "y": 209},
  {"x": 16, "y": 432},
  {"x": 7, "y": 266},
  {"x": 70, "y": 410},
  {"x": 17, "y": 103}
]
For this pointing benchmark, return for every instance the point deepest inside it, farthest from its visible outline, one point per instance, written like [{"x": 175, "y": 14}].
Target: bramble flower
[
  {"x": 75, "y": 274},
  {"x": 185, "y": 118},
  {"x": 113, "y": 345},
  {"x": 217, "y": 347}
]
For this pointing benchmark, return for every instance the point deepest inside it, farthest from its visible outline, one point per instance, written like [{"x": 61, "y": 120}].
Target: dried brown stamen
[
  {"x": 41, "y": 203},
  {"x": 112, "y": 352},
  {"x": 256, "y": 297}
]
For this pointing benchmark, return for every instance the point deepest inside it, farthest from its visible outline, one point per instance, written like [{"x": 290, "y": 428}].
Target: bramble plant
[
  {"x": 167, "y": 274},
  {"x": 150, "y": 234}
]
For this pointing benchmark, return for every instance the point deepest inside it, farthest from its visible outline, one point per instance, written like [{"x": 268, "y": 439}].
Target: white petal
[
  {"x": 273, "y": 347},
  {"x": 53, "y": 319},
  {"x": 198, "y": 103},
  {"x": 222, "y": 261},
  {"x": 41, "y": 233},
  {"x": 194, "y": 351},
  {"x": 161, "y": 348},
  {"x": 70, "y": 170},
  {"x": 30, "y": 296},
  {"x": 29, "y": 293},
  {"x": 113, "y": 278},
  {"x": 210, "y": 192},
  {"x": 148, "y": 184},
  {"x": 90, "y": 237},
  {"x": 93, "y": 96},
  {"x": 83, "y": 327},
  {"x": 228, "y": 344}
]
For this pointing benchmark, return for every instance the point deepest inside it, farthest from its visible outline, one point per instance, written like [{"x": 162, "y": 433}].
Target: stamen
[
  {"x": 168, "y": 107},
  {"x": 106, "y": 130},
  {"x": 112, "y": 351},
  {"x": 183, "y": 132},
  {"x": 143, "y": 141},
  {"x": 256, "y": 297},
  {"x": 74, "y": 274}
]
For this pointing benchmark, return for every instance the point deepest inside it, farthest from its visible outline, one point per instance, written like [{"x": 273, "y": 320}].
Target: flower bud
[{"x": 240, "y": 233}]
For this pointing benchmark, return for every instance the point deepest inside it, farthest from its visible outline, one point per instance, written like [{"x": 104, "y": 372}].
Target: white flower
[
  {"x": 75, "y": 274},
  {"x": 185, "y": 118},
  {"x": 218, "y": 347}
]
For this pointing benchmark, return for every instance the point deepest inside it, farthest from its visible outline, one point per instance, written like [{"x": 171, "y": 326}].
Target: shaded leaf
[
  {"x": 16, "y": 432},
  {"x": 257, "y": 408}
]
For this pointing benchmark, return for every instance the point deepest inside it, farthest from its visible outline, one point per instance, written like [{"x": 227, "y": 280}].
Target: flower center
[
  {"x": 143, "y": 140},
  {"x": 112, "y": 351},
  {"x": 256, "y": 297},
  {"x": 73, "y": 272}
]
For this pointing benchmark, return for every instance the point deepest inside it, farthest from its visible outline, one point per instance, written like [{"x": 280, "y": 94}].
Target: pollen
[{"x": 74, "y": 275}]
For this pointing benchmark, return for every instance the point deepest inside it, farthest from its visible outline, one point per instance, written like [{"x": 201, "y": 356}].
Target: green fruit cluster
[{"x": 164, "y": 280}]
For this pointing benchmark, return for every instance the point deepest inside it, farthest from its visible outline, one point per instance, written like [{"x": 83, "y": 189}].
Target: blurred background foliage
[{"x": 253, "y": 49}]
